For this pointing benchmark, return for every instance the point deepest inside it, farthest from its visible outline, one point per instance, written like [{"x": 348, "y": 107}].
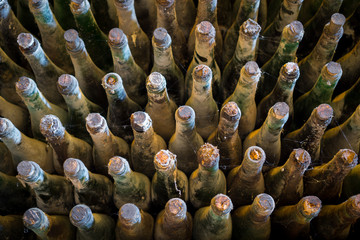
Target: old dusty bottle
[
  {"x": 25, "y": 148},
  {"x": 186, "y": 14},
  {"x": 160, "y": 108},
  {"x": 167, "y": 18},
  {"x": 164, "y": 63},
  {"x": 10, "y": 73},
  {"x": 308, "y": 10},
  {"x": 51, "y": 34},
  {"x": 293, "y": 221},
  {"x": 311, "y": 65},
  {"x": 174, "y": 222},
  {"x": 54, "y": 194},
  {"x": 268, "y": 135},
  {"x": 129, "y": 186},
  {"x": 17, "y": 115},
  {"x": 91, "y": 189},
  {"x": 120, "y": 106},
  {"x": 334, "y": 221},
  {"x": 253, "y": 221},
  {"x": 351, "y": 182},
  {"x": 95, "y": 40},
  {"x": 105, "y": 14},
  {"x": 37, "y": 105},
  {"x": 214, "y": 221},
  {"x": 48, "y": 226},
  {"x": 64, "y": 144},
  {"x": 10, "y": 228},
  {"x": 309, "y": 135},
  {"x": 202, "y": 101},
  {"x": 345, "y": 135},
  {"x": 133, "y": 76},
  {"x": 207, "y": 180},
  {"x": 325, "y": 181},
  {"x": 245, "y": 51},
  {"x": 282, "y": 92},
  {"x": 244, "y": 96},
  {"x": 206, "y": 11},
  {"x": 226, "y": 137},
  {"x": 145, "y": 145},
  {"x": 204, "y": 55},
  {"x": 248, "y": 10},
  {"x": 320, "y": 93},
  {"x": 139, "y": 42},
  {"x": 285, "y": 183},
  {"x": 288, "y": 13},
  {"x": 105, "y": 143},
  {"x": 63, "y": 14},
  {"x": 86, "y": 72},
  {"x": 146, "y": 15},
  {"x": 224, "y": 20},
  {"x": 45, "y": 71},
  {"x": 6, "y": 165},
  {"x": 168, "y": 182},
  {"x": 91, "y": 226},
  {"x": 134, "y": 224},
  {"x": 78, "y": 106},
  {"x": 286, "y": 52},
  {"x": 25, "y": 16},
  {"x": 186, "y": 140},
  {"x": 246, "y": 181},
  {"x": 15, "y": 198}
]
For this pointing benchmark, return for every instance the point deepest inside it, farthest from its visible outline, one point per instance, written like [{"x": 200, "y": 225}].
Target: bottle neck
[
  {"x": 125, "y": 177},
  {"x": 286, "y": 52},
  {"x": 204, "y": 52},
  {"x": 208, "y": 170},
  {"x": 103, "y": 141},
  {"x": 163, "y": 56},
  {"x": 247, "y": 9},
  {"x": 76, "y": 101},
  {"x": 127, "y": 19},
  {"x": 226, "y": 129},
  {"x": 245, "y": 47},
  {"x": 186, "y": 129},
  {"x": 323, "y": 90},
  {"x": 343, "y": 213},
  {"x": 271, "y": 129},
  {"x": 116, "y": 95},
  {"x": 81, "y": 180},
  {"x": 146, "y": 138},
  {"x": 13, "y": 137},
  {"x": 206, "y": 11},
  {"x": 43, "y": 227},
  {"x": 283, "y": 90},
  {"x": 211, "y": 218},
  {"x": 255, "y": 216},
  {"x": 45, "y": 18},
  {"x": 325, "y": 47},
  {"x": 245, "y": 90},
  {"x": 122, "y": 55},
  {"x": 201, "y": 90},
  {"x": 158, "y": 98},
  {"x": 166, "y": 17},
  {"x": 6, "y": 13},
  {"x": 35, "y": 101},
  {"x": 289, "y": 12},
  {"x": 250, "y": 169},
  {"x": 81, "y": 59}
]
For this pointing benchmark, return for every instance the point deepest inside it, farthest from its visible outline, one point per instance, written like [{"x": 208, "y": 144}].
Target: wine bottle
[
  {"x": 308, "y": 10},
  {"x": 63, "y": 14},
  {"x": 146, "y": 15},
  {"x": 54, "y": 194},
  {"x": 6, "y": 164},
  {"x": 145, "y": 145},
  {"x": 226, "y": 137},
  {"x": 351, "y": 182},
  {"x": 10, "y": 228},
  {"x": 186, "y": 14},
  {"x": 64, "y": 145},
  {"x": 186, "y": 141},
  {"x": 105, "y": 14},
  {"x": 17, "y": 115},
  {"x": 26, "y": 18},
  {"x": 129, "y": 186},
  {"x": 246, "y": 181}
]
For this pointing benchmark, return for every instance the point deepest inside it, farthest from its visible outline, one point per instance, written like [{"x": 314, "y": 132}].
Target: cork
[
  {"x": 336, "y": 22},
  {"x": 176, "y": 207},
  {"x": 347, "y": 157},
  {"x": 280, "y": 110},
  {"x": 263, "y": 205},
  {"x": 111, "y": 81},
  {"x": 354, "y": 206},
  {"x": 34, "y": 218},
  {"x": 36, "y": 4},
  {"x": 255, "y": 154},
  {"x": 117, "y": 38},
  {"x": 290, "y": 72},
  {"x": 129, "y": 214},
  {"x": 294, "y": 32},
  {"x": 331, "y": 73},
  {"x": 51, "y": 127},
  {"x": 27, "y": 43},
  {"x": 250, "y": 72},
  {"x": 250, "y": 28},
  {"x": 28, "y": 171},
  {"x": 78, "y": 6},
  {"x": 4, "y": 127},
  {"x": 67, "y": 84},
  {"x": 165, "y": 3},
  {"x": 231, "y": 112},
  {"x": 221, "y": 204},
  {"x": 202, "y": 73},
  {"x": 81, "y": 215},
  {"x": 25, "y": 86},
  {"x": 205, "y": 32},
  {"x": 140, "y": 121},
  {"x": 185, "y": 114},
  {"x": 117, "y": 165},
  {"x": 164, "y": 160},
  {"x": 72, "y": 167},
  {"x": 161, "y": 38},
  {"x": 310, "y": 206},
  {"x": 155, "y": 82},
  {"x": 208, "y": 155},
  {"x": 301, "y": 156},
  {"x": 73, "y": 41},
  {"x": 95, "y": 123},
  {"x": 323, "y": 114}
]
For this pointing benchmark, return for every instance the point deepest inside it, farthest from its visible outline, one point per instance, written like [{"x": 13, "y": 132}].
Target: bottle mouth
[
  {"x": 290, "y": 72},
  {"x": 176, "y": 207},
  {"x": 79, "y": 6},
  {"x": 164, "y": 160},
  {"x": 95, "y": 123},
  {"x": 129, "y": 214},
  {"x": 28, "y": 171},
  {"x": 202, "y": 74},
  {"x": 140, "y": 121},
  {"x": 331, "y": 73},
  {"x": 80, "y": 215},
  {"x": 117, "y": 38},
  {"x": 255, "y": 154},
  {"x": 156, "y": 82},
  {"x": 354, "y": 203},
  {"x": 348, "y": 157},
  {"x": 302, "y": 157},
  {"x": 185, "y": 114},
  {"x": 324, "y": 114},
  {"x": 117, "y": 165},
  {"x": 294, "y": 32},
  {"x": 73, "y": 167},
  {"x": 51, "y": 127},
  {"x": 264, "y": 204},
  {"x": 34, "y": 218},
  {"x": 336, "y": 23},
  {"x": 36, "y": 4},
  {"x": 231, "y": 112},
  {"x": 111, "y": 81},
  {"x": 205, "y": 32},
  {"x": 3, "y": 3},
  {"x": 124, "y": 3},
  {"x": 165, "y": 3},
  {"x": 221, "y": 204},
  {"x": 27, "y": 43},
  {"x": 208, "y": 155},
  {"x": 310, "y": 206},
  {"x": 250, "y": 28},
  {"x": 279, "y": 111},
  {"x": 161, "y": 38},
  {"x": 67, "y": 84},
  {"x": 25, "y": 86},
  {"x": 73, "y": 41}
]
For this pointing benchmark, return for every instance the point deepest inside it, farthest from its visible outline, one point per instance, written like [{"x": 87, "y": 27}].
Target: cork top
[
  {"x": 95, "y": 123},
  {"x": 205, "y": 32},
  {"x": 323, "y": 114},
  {"x": 255, "y": 153},
  {"x": 161, "y": 37},
  {"x": 34, "y": 218},
  {"x": 231, "y": 112},
  {"x": 208, "y": 155},
  {"x": 117, "y": 165},
  {"x": 117, "y": 38},
  {"x": 348, "y": 157},
  {"x": 80, "y": 215},
  {"x": 263, "y": 205},
  {"x": 4, "y": 126},
  {"x": 165, "y": 3},
  {"x": 185, "y": 114},
  {"x": 3, "y": 3},
  {"x": 72, "y": 167},
  {"x": 176, "y": 207},
  {"x": 73, "y": 41},
  {"x": 79, "y": 6},
  {"x": 36, "y": 3},
  {"x": 331, "y": 73},
  {"x": 221, "y": 204},
  {"x": 129, "y": 214},
  {"x": 155, "y": 82},
  {"x": 250, "y": 28},
  {"x": 111, "y": 81},
  {"x": 336, "y": 22},
  {"x": 302, "y": 157},
  {"x": 353, "y": 204},
  {"x": 51, "y": 127},
  {"x": 310, "y": 206},
  {"x": 27, "y": 43},
  {"x": 290, "y": 72},
  {"x": 280, "y": 110},
  {"x": 67, "y": 84},
  {"x": 140, "y": 121},
  {"x": 294, "y": 31},
  {"x": 28, "y": 171},
  {"x": 164, "y": 160},
  {"x": 25, "y": 86},
  {"x": 202, "y": 73}
]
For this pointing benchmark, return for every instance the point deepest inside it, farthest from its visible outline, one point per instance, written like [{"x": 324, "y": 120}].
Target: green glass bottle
[
  {"x": 309, "y": 135},
  {"x": 86, "y": 72},
  {"x": 285, "y": 183},
  {"x": 139, "y": 42},
  {"x": 293, "y": 221},
  {"x": 226, "y": 137},
  {"x": 248, "y": 10},
  {"x": 146, "y": 15},
  {"x": 164, "y": 63},
  {"x": 25, "y": 148},
  {"x": 63, "y": 14},
  {"x": 133, "y": 76},
  {"x": 11, "y": 228},
  {"x": 106, "y": 144},
  {"x": 53, "y": 193},
  {"x": 134, "y": 224},
  {"x": 45, "y": 71},
  {"x": 207, "y": 180},
  {"x": 160, "y": 108},
  {"x": 17, "y": 115},
  {"x": 64, "y": 144},
  {"x": 145, "y": 145},
  {"x": 129, "y": 186},
  {"x": 253, "y": 221},
  {"x": 326, "y": 180},
  {"x": 95, "y": 40},
  {"x": 25, "y": 16},
  {"x": 120, "y": 106},
  {"x": 94, "y": 190},
  {"x": 91, "y": 226},
  {"x": 168, "y": 182},
  {"x": 186, "y": 141},
  {"x": 268, "y": 136},
  {"x": 308, "y": 9},
  {"x": 246, "y": 181},
  {"x": 244, "y": 96},
  {"x": 174, "y": 222},
  {"x": 245, "y": 51},
  {"x": 214, "y": 221},
  {"x": 49, "y": 227},
  {"x": 51, "y": 34},
  {"x": 202, "y": 101}
]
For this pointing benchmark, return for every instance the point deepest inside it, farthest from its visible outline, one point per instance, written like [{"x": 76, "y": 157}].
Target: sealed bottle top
[
  {"x": 202, "y": 74},
  {"x": 262, "y": 206},
  {"x": 117, "y": 38},
  {"x": 175, "y": 208},
  {"x": 185, "y": 114},
  {"x": 155, "y": 83},
  {"x": 81, "y": 216},
  {"x": 161, "y": 38},
  {"x": 208, "y": 155},
  {"x": 221, "y": 204},
  {"x": 67, "y": 84},
  {"x": 164, "y": 160},
  {"x": 51, "y": 127},
  {"x": 75, "y": 169},
  {"x": 309, "y": 207},
  {"x": 129, "y": 214},
  {"x": 27, "y": 43},
  {"x": 140, "y": 121},
  {"x": 35, "y": 218},
  {"x": 29, "y": 171},
  {"x": 118, "y": 166},
  {"x": 95, "y": 123},
  {"x": 73, "y": 41},
  {"x": 205, "y": 32}
]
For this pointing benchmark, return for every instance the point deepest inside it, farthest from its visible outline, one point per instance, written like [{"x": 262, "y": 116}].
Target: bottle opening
[
  {"x": 27, "y": 43},
  {"x": 161, "y": 37},
  {"x": 348, "y": 156},
  {"x": 250, "y": 28},
  {"x": 95, "y": 123},
  {"x": 67, "y": 83},
  {"x": 72, "y": 167},
  {"x": 231, "y": 112},
  {"x": 280, "y": 110},
  {"x": 27, "y": 169},
  {"x": 324, "y": 112},
  {"x": 264, "y": 204},
  {"x": 51, "y": 127},
  {"x": 140, "y": 121},
  {"x": 208, "y": 155},
  {"x": 185, "y": 113},
  {"x": 80, "y": 215},
  {"x": 302, "y": 156},
  {"x": 164, "y": 160},
  {"x": 221, "y": 204},
  {"x": 205, "y": 31},
  {"x": 116, "y": 165},
  {"x": 156, "y": 82},
  {"x": 117, "y": 37},
  {"x": 33, "y": 218},
  {"x": 202, "y": 73},
  {"x": 129, "y": 214},
  {"x": 310, "y": 206}
]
